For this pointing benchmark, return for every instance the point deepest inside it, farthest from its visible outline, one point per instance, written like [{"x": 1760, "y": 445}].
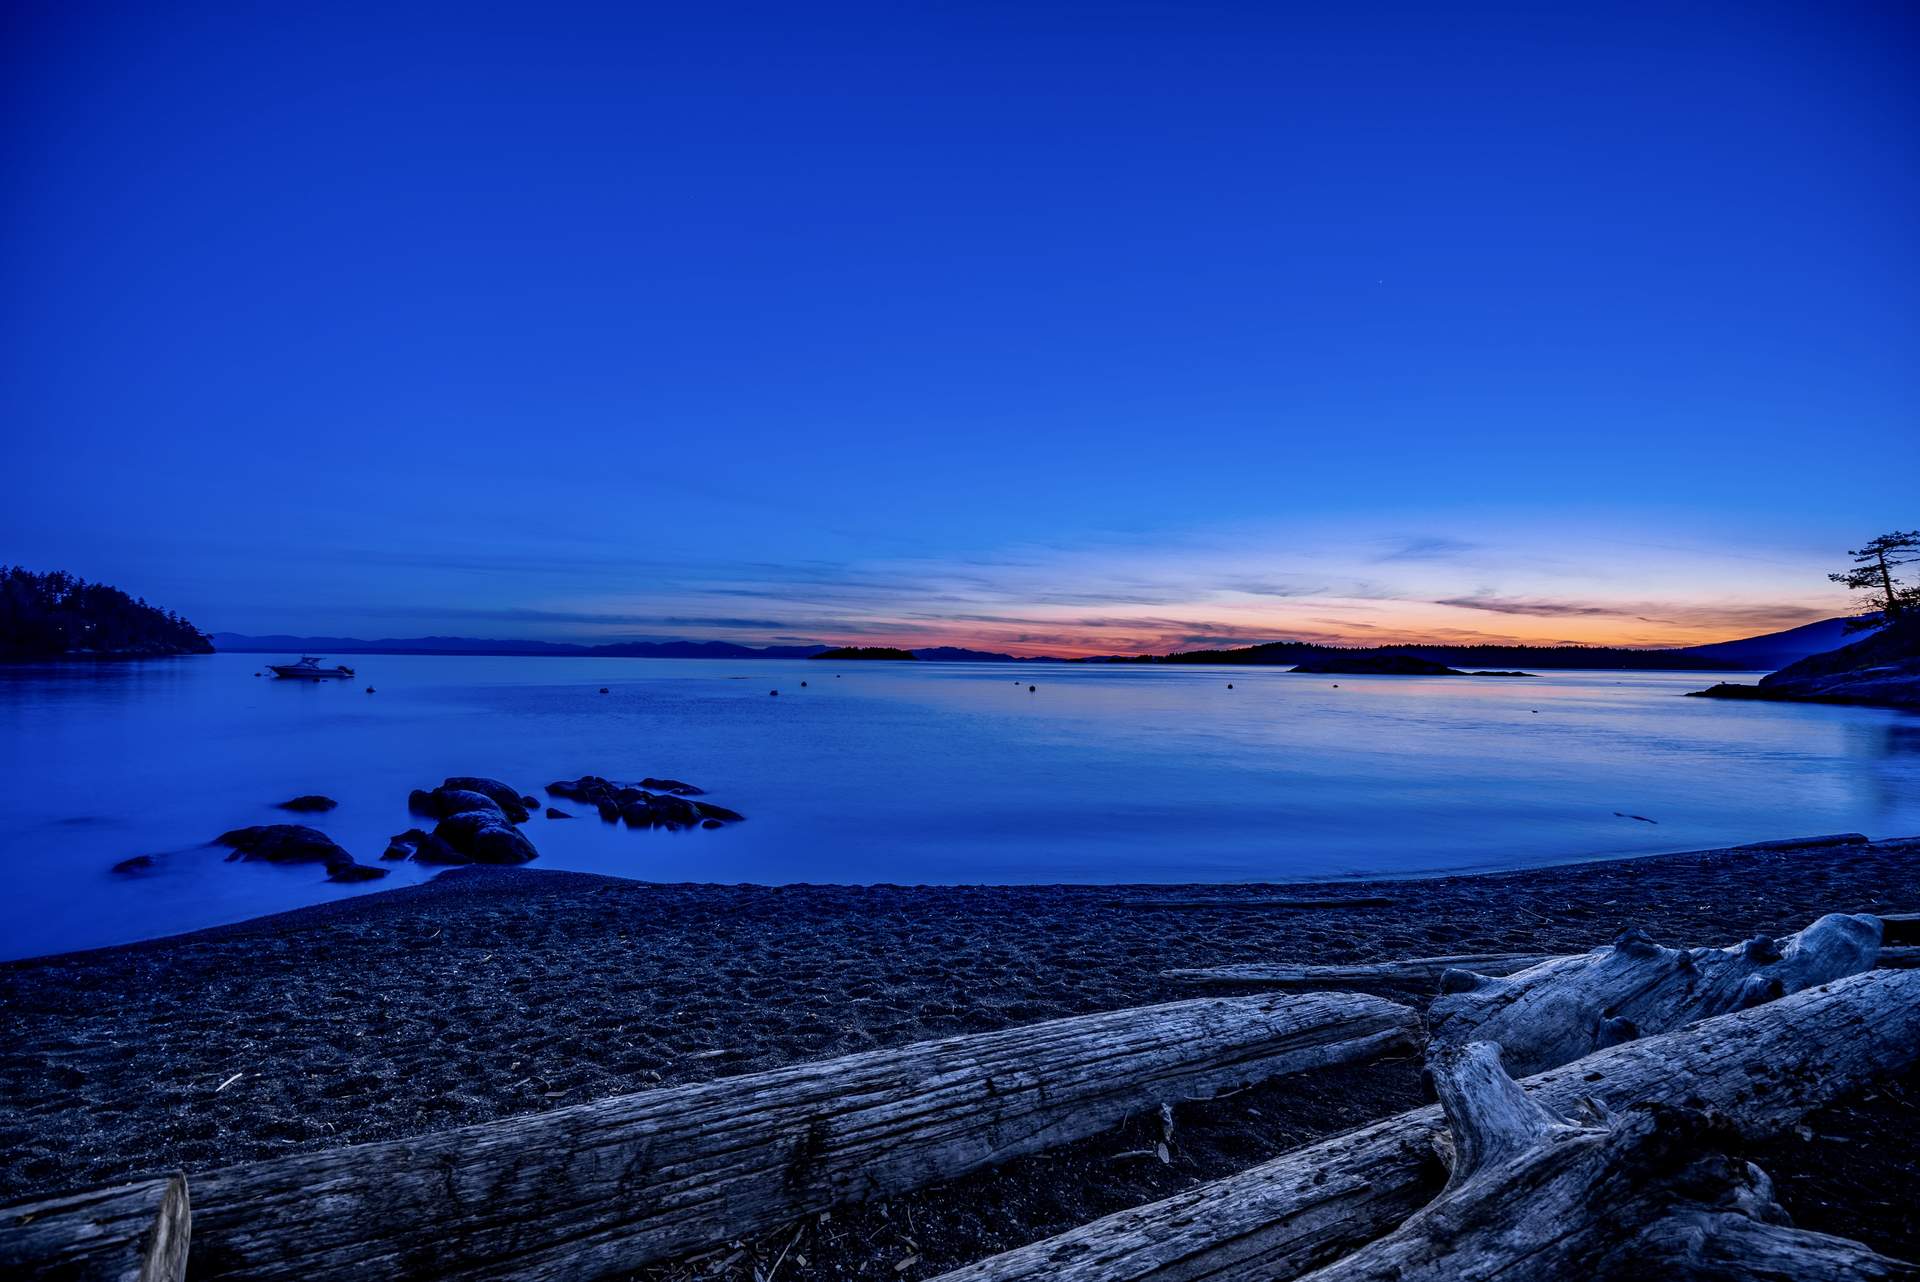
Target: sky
[{"x": 1047, "y": 328}]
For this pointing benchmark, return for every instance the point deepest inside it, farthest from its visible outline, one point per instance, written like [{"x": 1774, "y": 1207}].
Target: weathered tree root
[{"x": 1535, "y": 1198}]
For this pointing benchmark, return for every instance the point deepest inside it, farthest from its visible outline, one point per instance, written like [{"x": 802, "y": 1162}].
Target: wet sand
[{"x": 490, "y": 992}]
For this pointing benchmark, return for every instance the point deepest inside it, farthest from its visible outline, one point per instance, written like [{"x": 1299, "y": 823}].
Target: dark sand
[{"x": 490, "y": 992}]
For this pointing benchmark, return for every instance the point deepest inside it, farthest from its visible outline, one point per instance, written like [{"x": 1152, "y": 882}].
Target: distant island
[
  {"x": 1748, "y": 654},
  {"x": 1389, "y": 665},
  {"x": 59, "y": 615},
  {"x": 1774, "y": 650}
]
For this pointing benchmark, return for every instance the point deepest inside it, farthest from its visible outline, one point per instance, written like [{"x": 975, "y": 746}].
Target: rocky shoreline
[
  {"x": 1882, "y": 671},
  {"x": 492, "y": 991}
]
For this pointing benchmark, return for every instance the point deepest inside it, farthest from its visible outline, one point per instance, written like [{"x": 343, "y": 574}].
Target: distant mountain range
[
  {"x": 1762, "y": 653},
  {"x": 240, "y": 643},
  {"x": 1777, "y": 649}
]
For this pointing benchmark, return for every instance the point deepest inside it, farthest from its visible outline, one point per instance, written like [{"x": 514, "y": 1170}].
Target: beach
[{"x": 490, "y": 992}]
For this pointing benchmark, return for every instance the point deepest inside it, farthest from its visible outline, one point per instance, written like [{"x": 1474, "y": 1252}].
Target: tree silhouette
[
  {"x": 1890, "y": 600},
  {"x": 47, "y": 615}
]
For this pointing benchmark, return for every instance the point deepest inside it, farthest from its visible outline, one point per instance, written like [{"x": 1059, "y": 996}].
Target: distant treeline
[
  {"x": 1288, "y": 653},
  {"x": 44, "y": 616}
]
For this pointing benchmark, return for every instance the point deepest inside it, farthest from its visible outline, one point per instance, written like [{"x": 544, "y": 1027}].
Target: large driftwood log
[
  {"x": 1555, "y": 1012},
  {"x": 128, "y": 1233},
  {"x": 1762, "y": 1069},
  {"x": 1535, "y": 1198},
  {"x": 602, "y": 1188},
  {"x": 1406, "y": 970}
]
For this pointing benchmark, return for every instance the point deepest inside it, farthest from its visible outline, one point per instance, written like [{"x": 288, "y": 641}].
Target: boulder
[
  {"x": 282, "y": 844},
  {"x": 423, "y": 848},
  {"x": 351, "y": 872},
  {"x": 649, "y": 811},
  {"x": 485, "y": 838},
  {"x": 651, "y": 803},
  {"x": 139, "y": 863},
  {"x": 556, "y": 813},
  {"x": 674, "y": 786},
  {"x": 309, "y": 804},
  {"x": 504, "y": 796},
  {"x": 295, "y": 844}
]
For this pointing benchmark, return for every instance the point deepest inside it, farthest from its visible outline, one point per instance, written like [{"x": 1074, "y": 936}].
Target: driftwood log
[
  {"x": 1554, "y": 1013},
  {"x": 1762, "y": 1069},
  {"x": 602, "y": 1188},
  {"x": 130, "y": 1233},
  {"x": 1533, "y": 1197},
  {"x": 1406, "y": 970}
]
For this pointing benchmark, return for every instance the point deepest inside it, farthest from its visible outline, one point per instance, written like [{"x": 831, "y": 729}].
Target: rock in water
[
  {"x": 485, "y": 837},
  {"x": 423, "y": 848},
  {"x": 310, "y": 803},
  {"x": 295, "y": 844},
  {"x": 674, "y": 786},
  {"x": 507, "y": 798},
  {"x": 554, "y": 812},
  {"x": 139, "y": 863},
  {"x": 652, "y": 803}
]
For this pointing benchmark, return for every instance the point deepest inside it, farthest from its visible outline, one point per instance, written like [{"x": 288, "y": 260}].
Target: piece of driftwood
[
  {"x": 598, "y": 1189},
  {"x": 1406, "y": 970},
  {"x": 128, "y": 1233},
  {"x": 1762, "y": 1069},
  {"x": 1556, "y": 1012},
  {"x": 1533, "y": 1197}
]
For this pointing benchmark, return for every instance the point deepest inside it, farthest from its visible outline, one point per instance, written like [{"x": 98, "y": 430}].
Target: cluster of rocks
[
  {"x": 475, "y": 820},
  {"x": 295, "y": 844},
  {"x": 651, "y": 803}
]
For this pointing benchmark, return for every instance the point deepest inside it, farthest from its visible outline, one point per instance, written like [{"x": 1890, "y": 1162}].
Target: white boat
[{"x": 309, "y": 669}]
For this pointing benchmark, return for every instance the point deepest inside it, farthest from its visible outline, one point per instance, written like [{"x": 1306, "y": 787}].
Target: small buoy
[
  {"x": 773, "y": 692},
  {"x": 803, "y": 685},
  {"x": 603, "y": 689},
  {"x": 1031, "y": 689},
  {"x": 1536, "y": 712},
  {"x": 1229, "y": 685},
  {"x": 369, "y": 689},
  {"x": 1336, "y": 685}
]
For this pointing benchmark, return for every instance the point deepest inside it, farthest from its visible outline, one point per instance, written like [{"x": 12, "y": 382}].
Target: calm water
[{"x": 898, "y": 773}]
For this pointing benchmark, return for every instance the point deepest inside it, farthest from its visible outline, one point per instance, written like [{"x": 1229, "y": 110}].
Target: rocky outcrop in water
[
  {"x": 295, "y": 844},
  {"x": 477, "y": 817},
  {"x": 651, "y": 803},
  {"x": 455, "y": 796},
  {"x": 309, "y": 804},
  {"x": 1881, "y": 671}
]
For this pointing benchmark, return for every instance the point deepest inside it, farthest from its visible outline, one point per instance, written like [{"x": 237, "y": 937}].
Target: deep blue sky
[{"x": 1055, "y": 326}]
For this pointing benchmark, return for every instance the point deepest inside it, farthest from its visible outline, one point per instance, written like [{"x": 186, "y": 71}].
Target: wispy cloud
[
  {"x": 1428, "y": 548},
  {"x": 1536, "y": 608}
]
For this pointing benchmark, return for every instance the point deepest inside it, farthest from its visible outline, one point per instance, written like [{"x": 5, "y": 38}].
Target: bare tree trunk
[
  {"x": 607, "y": 1187},
  {"x": 129, "y": 1233},
  {"x": 1407, "y": 970}
]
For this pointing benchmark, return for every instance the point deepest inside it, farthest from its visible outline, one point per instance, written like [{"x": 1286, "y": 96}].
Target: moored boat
[{"x": 309, "y": 669}]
